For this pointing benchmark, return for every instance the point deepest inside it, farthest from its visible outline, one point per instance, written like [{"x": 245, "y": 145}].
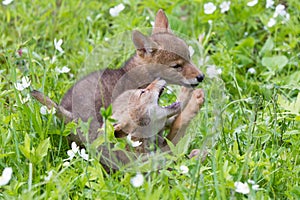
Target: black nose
[{"x": 200, "y": 78}]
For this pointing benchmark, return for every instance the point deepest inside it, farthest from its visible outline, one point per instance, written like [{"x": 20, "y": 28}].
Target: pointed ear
[
  {"x": 142, "y": 43},
  {"x": 161, "y": 24},
  {"x": 119, "y": 133}
]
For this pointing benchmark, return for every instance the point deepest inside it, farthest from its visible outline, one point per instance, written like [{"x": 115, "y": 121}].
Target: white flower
[
  {"x": 62, "y": 70},
  {"x": 116, "y": 10},
  {"x": 83, "y": 154},
  {"x": 242, "y": 187},
  {"x": 225, "y": 5},
  {"x": 57, "y": 45},
  {"x": 212, "y": 71},
  {"x": 138, "y": 180},
  {"x": 25, "y": 83},
  {"x": 184, "y": 169},
  {"x": 72, "y": 152},
  {"x": 44, "y": 110},
  {"x": 191, "y": 50},
  {"x": 279, "y": 10},
  {"x": 251, "y": 70},
  {"x": 6, "y": 176},
  {"x": 271, "y": 22},
  {"x": 133, "y": 143},
  {"x": 252, "y": 3},
  {"x": 269, "y": 3},
  {"x": 209, "y": 8},
  {"x": 210, "y": 22},
  {"x": 6, "y": 2},
  {"x": 48, "y": 177}
]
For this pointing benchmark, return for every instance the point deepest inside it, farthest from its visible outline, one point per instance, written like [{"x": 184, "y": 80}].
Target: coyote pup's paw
[
  {"x": 195, "y": 103},
  {"x": 198, "y": 97}
]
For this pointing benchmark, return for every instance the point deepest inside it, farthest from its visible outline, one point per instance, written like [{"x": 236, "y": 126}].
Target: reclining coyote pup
[
  {"x": 161, "y": 55},
  {"x": 137, "y": 113}
]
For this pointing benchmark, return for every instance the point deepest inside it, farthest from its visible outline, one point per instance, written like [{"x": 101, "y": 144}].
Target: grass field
[{"x": 249, "y": 125}]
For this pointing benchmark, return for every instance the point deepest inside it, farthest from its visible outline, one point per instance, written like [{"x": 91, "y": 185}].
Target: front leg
[
  {"x": 184, "y": 96},
  {"x": 181, "y": 123}
]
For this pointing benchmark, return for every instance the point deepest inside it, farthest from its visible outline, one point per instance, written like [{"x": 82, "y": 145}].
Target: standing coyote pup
[{"x": 161, "y": 55}]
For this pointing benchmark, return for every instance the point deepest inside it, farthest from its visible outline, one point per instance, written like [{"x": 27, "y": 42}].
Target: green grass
[{"x": 249, "y": 124}]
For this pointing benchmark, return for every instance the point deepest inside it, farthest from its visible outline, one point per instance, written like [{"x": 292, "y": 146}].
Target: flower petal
[
  {"x": 7, "y": 2},
  {"x": 116, "y": 10},
  {"x": 209, "y": 8},
  {"x": 6, "y": 176},
  {"x": 252, "y": 3},
  {"x": 242, "y": 188},
  {"x": 184, "y": 169},
  {"x": 74, "y": 147},
  {"x": 138, "y": 180}
]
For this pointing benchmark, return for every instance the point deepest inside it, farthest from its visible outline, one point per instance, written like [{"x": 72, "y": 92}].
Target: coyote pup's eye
[
  {"x": 142, "y": 92},
  {"x": 178, "y": 67}
]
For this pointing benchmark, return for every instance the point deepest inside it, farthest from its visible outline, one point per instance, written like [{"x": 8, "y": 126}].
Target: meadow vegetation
[{"x": 249, "y": 125}]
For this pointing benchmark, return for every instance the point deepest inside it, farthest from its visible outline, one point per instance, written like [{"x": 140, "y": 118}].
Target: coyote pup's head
[
  {"x": 167, "y": 54},
  {"x": 137, "y": 111}
]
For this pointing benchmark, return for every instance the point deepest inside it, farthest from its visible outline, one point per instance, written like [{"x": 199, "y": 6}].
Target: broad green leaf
[
  {"x": 181, "y": 147},
  {"x": 246, "y": 44},
  {"x": 268, "y": 46},
  {"x": 275, "y": 62},
  {"x": 244, "y": 59},
  {"x": 70, "y": 128},
  {"x": 25, "y": 149},
  {"x": 110, "y": 132},
  {"x": 42, "y": 149}
]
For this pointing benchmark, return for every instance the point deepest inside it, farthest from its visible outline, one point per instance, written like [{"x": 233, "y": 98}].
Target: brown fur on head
[
  {"x": 137, "y": 111},
  {"x": 169, "y": 53}
]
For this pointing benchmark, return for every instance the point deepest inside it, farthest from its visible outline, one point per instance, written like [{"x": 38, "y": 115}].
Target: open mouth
[
  {"x": 194, "y": 85},
  {"x": 161, "y": 91},
  {"x": 167, "y": 99}
]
